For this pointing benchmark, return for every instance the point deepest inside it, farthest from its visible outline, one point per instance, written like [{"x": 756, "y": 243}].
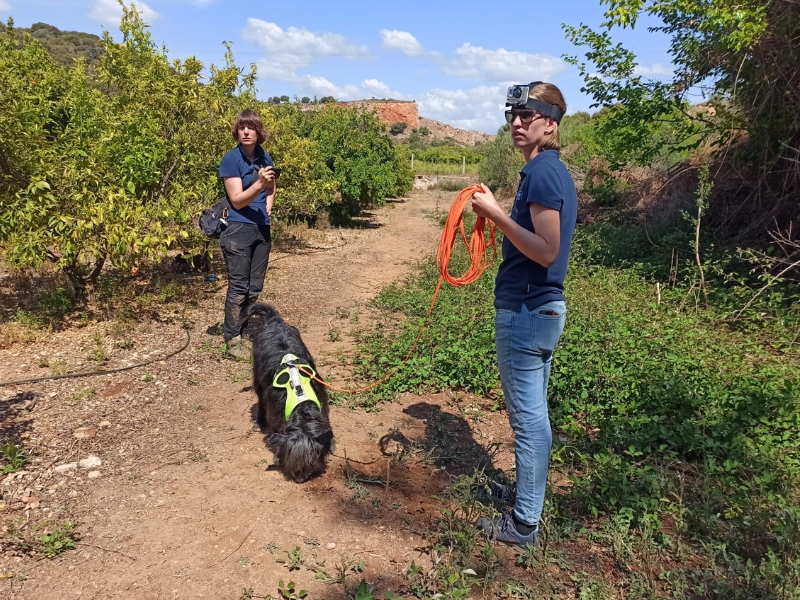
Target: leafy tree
[
  {"x": 305, "y": 100},
  {"x": 112, "y": 166},
  {"x": 64, "y": 46},
  {"x": 358, "y": 153},
  {"x": 745, "y": 53}
]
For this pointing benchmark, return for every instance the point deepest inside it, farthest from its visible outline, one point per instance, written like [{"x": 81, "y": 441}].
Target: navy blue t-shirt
[
  {"x": 236, "y": 164},
  {"x": 546, "y": 181}
]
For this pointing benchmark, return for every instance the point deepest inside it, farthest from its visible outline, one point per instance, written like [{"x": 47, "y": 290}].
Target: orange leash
[{"x": 479, "y": 262}]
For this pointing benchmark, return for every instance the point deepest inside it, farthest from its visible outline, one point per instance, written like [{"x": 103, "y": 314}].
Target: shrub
[
  {"x": 501, "y": 163},
  {"x": 358, "y": 154},
  {"x": 398, "y": 128}
]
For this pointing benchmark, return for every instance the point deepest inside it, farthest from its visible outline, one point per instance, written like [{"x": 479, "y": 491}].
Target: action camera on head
[{"x": 518, "y": 96}]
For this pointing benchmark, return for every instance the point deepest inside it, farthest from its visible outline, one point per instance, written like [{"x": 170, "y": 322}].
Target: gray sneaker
[
  {"x": 507, "y": 494},
  {"x": 503, "y": 529},
  {"x": 240, "y": 348}
]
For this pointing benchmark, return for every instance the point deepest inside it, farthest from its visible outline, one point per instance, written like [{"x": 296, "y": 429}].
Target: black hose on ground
[{"x": 100, "y": 371}]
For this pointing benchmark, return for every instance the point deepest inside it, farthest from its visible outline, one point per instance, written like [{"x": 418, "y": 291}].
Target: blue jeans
[{"x": 525, "y": 342}]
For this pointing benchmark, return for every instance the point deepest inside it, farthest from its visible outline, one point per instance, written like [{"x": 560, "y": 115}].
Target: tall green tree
[{"x": 745, "y": 54}]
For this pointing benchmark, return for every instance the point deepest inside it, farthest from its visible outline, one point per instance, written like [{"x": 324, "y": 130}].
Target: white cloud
[
  {"x": 654, "y": 71},
  {"x": 315, "y": 85},
  {"x": 474, "y": 62},
  {"x": 480, "y": 108},
  {"x": 291, "y": 49},
  {"x": 109, "y": 13},
  {"x": 402, "y": 41},
  {"x": 5, "y": 6}
]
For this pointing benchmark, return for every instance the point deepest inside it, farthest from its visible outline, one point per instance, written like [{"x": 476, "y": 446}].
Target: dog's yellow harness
[{"x": 297, "y": 383}]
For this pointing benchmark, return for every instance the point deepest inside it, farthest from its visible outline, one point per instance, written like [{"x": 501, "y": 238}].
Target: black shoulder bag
[{"x": 214, "y": 220}]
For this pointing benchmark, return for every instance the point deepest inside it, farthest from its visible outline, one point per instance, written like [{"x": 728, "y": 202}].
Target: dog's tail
[{"x": 259, "y": 309}]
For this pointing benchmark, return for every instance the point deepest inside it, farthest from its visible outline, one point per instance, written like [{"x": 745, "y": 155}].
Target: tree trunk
[{"x": 83, "y": 283}]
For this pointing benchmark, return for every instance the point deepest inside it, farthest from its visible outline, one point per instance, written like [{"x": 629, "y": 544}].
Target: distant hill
[
  {"x": 64, "y": 46},
  {"x": 463, "y": 137},
  {"x": 397, "y": 112}
]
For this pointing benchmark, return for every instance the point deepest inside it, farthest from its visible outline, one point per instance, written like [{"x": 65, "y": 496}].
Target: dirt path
[{"x": 184, "y": 504}]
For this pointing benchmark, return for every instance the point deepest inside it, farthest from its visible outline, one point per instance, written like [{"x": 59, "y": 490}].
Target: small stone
[
  {"x": 66, "y": 467},
  {"x": 104, "y": 424},
  {"x": 84, "y": 432},
  {"x": 93, "y": 474},
  {"x": 52, "y": 394},
  {"x": 331, "y": 546},
  {"x": 89, "y": 462},
  {"x": 31, "y": 501}
]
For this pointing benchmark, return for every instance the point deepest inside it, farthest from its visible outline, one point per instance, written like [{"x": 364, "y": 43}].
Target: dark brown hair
[
  {"x": 547, "y": 92},
  {"x": 249, "y": 118}
]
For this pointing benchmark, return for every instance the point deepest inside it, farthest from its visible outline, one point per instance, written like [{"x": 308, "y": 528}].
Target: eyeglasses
[{"x": 526, "y": 116}]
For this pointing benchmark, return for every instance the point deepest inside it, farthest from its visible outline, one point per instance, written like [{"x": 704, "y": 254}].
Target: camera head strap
[{"x": 518, "y": 96}]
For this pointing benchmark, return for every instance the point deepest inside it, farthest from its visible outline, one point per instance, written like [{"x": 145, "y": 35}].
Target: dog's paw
[{"x": 259, "y": 428}]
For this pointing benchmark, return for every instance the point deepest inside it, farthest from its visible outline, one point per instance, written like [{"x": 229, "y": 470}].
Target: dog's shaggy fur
[{"x": 301, "y": 444}]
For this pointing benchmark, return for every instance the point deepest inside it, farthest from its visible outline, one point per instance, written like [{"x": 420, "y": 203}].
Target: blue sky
[{"x": 454, "y": 58}]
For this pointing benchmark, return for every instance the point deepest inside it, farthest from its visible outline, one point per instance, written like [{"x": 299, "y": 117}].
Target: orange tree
[
  {"x": 357, "y": 152},
  {"x": 113, "y": 170}
]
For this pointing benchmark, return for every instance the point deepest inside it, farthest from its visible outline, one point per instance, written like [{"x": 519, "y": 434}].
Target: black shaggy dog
[{"x": 301, "y": 443}]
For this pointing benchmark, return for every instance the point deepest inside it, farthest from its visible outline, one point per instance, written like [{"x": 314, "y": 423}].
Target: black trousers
[{"x": 245, "y": 248}]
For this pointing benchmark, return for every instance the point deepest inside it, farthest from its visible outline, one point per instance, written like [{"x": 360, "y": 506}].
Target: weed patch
[
  {"x": 14, "y": 457},
  {"x": 59, "y": 540}
]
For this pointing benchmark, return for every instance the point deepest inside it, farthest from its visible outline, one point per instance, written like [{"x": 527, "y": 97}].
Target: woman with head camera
[
  {"x": 249, "y": 177},
  {"x": 529, "y": 298}
]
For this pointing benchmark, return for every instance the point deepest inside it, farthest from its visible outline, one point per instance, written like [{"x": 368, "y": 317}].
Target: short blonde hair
[
  {"x": 249, "y": 118},
  {"x": 547, "y": 92}
]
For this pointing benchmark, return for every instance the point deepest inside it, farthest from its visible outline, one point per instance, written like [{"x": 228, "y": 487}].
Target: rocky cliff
[{"x": 391, "y": 111}]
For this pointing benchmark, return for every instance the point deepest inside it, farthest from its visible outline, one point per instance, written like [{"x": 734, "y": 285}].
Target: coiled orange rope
[{"x": 479, "y": 262}]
